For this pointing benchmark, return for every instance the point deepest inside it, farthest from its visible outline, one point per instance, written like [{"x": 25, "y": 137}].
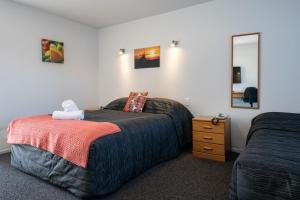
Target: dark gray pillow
[{"x": 117, "y": 104}]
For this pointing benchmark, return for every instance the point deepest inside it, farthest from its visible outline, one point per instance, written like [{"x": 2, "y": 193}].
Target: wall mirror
[{"x": 245, "y": 71}]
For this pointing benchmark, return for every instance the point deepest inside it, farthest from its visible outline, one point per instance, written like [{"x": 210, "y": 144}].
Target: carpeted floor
[{"x": 183, "y": 178}]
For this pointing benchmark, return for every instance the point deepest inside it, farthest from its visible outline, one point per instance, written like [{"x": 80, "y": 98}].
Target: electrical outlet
[{"x": 187, "y": 101}]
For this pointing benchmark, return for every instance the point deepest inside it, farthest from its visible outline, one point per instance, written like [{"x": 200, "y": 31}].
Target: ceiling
[{"x": 101, "y": 13}]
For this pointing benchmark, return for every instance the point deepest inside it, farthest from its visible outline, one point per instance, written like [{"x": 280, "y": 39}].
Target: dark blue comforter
[
  {"x": 156, "y": 135},
  {"x": 269, "y": 167}
]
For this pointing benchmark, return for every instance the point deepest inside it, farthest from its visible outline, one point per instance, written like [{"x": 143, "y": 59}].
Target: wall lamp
[
  {"x": 122, "y": 51},
  {"x": 174, "y": 43}
]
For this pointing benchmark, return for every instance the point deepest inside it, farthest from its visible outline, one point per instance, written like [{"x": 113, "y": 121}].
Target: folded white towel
[
  {"x": 74, "y": 115},
  {"x": 69, "y": 106}
]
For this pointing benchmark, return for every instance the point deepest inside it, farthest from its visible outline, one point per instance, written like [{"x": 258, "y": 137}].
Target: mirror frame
[{"x": 258, "y": 69}]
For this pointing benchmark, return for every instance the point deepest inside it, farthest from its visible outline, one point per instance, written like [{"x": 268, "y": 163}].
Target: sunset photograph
[{"x": 147, "y": 57}]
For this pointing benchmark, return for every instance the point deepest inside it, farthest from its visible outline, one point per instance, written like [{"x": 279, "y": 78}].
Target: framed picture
[
  {"x": 52, "y": 51},
  {"x": 236, "y": 75},
  {"x": 147, "y": 57}
]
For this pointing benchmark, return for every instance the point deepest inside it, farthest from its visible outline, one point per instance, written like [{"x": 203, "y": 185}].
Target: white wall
[
  {"x": 29, "y": 86},
  {"x": 200, "y": 67},
  {"x": 245, "y": 56}
]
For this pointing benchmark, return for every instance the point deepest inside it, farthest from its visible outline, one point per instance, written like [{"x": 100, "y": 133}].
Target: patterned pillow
[{"x": 135, "y": 102}]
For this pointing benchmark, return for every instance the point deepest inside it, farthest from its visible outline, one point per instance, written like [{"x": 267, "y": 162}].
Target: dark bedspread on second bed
[
  {"x": 146, "y": 139},
  {"x": 269, "y": 167}
]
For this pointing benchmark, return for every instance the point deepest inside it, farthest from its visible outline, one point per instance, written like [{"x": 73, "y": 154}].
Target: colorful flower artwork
[{"x": 52, "y": 51}]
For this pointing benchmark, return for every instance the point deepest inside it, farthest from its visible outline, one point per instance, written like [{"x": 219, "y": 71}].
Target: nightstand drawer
[
  {"x": 209, "y": 156},
  {"x": 208, "y": 137},
  {"x": 205, "y": 126},
  {"x": 209, "y": 148}
]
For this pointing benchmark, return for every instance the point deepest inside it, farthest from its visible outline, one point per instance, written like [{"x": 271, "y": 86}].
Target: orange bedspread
[{"x": 69, "y": 139}]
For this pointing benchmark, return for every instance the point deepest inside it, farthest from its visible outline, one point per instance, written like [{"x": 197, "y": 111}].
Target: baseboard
[
  {"x": 3, "y": 151},
  {"x": 236, "y": 149}
]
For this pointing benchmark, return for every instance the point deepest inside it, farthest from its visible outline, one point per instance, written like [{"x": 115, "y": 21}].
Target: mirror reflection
[{"x": 245, "y": 71}]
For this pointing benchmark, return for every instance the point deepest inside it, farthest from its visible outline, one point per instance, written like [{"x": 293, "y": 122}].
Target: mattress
[
  {"x": 146, "y": 139},
  {"x": 269, "y": 167}
]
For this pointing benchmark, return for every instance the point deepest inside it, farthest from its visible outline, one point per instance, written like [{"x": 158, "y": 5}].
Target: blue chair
[{"x": 250, "y": 95}]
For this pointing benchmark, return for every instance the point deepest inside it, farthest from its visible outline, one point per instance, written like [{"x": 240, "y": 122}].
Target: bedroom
[{"x": 196, "y": 73}]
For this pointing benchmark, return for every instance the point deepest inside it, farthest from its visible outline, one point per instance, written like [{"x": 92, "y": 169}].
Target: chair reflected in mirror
[{"x": 250, "y": 95}]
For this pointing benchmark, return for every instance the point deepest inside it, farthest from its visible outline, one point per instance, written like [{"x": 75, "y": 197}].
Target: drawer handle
[
  {"x": 207, "y": 138},
  {"x": 208, "y": 148},
  {"x": 207, "y": 127}
]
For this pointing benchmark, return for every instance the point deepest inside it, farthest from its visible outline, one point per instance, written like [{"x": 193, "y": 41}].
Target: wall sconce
[
  {"x": 122, "y": 51},
  {"x": 174, "y": 43}
]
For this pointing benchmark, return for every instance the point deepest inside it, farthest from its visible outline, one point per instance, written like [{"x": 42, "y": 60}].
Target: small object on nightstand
[{"x": 211, "y": 140}]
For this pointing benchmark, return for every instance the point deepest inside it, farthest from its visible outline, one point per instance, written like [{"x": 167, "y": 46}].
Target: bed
[
  {"x": 146, "y": 139},
  {"x": 269, "y": 167}
]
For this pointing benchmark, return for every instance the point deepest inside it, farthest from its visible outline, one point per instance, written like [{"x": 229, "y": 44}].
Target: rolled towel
[
  {"x": 69, "y": 106},
  {"x": 74, "y": 115}
]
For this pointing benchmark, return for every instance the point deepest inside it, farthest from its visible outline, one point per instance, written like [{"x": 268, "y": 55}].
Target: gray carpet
[{"x": 186, "y": 177}]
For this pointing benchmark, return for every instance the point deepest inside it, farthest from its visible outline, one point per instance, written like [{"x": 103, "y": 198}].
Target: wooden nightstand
[{"x": 211, "y": 141}]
